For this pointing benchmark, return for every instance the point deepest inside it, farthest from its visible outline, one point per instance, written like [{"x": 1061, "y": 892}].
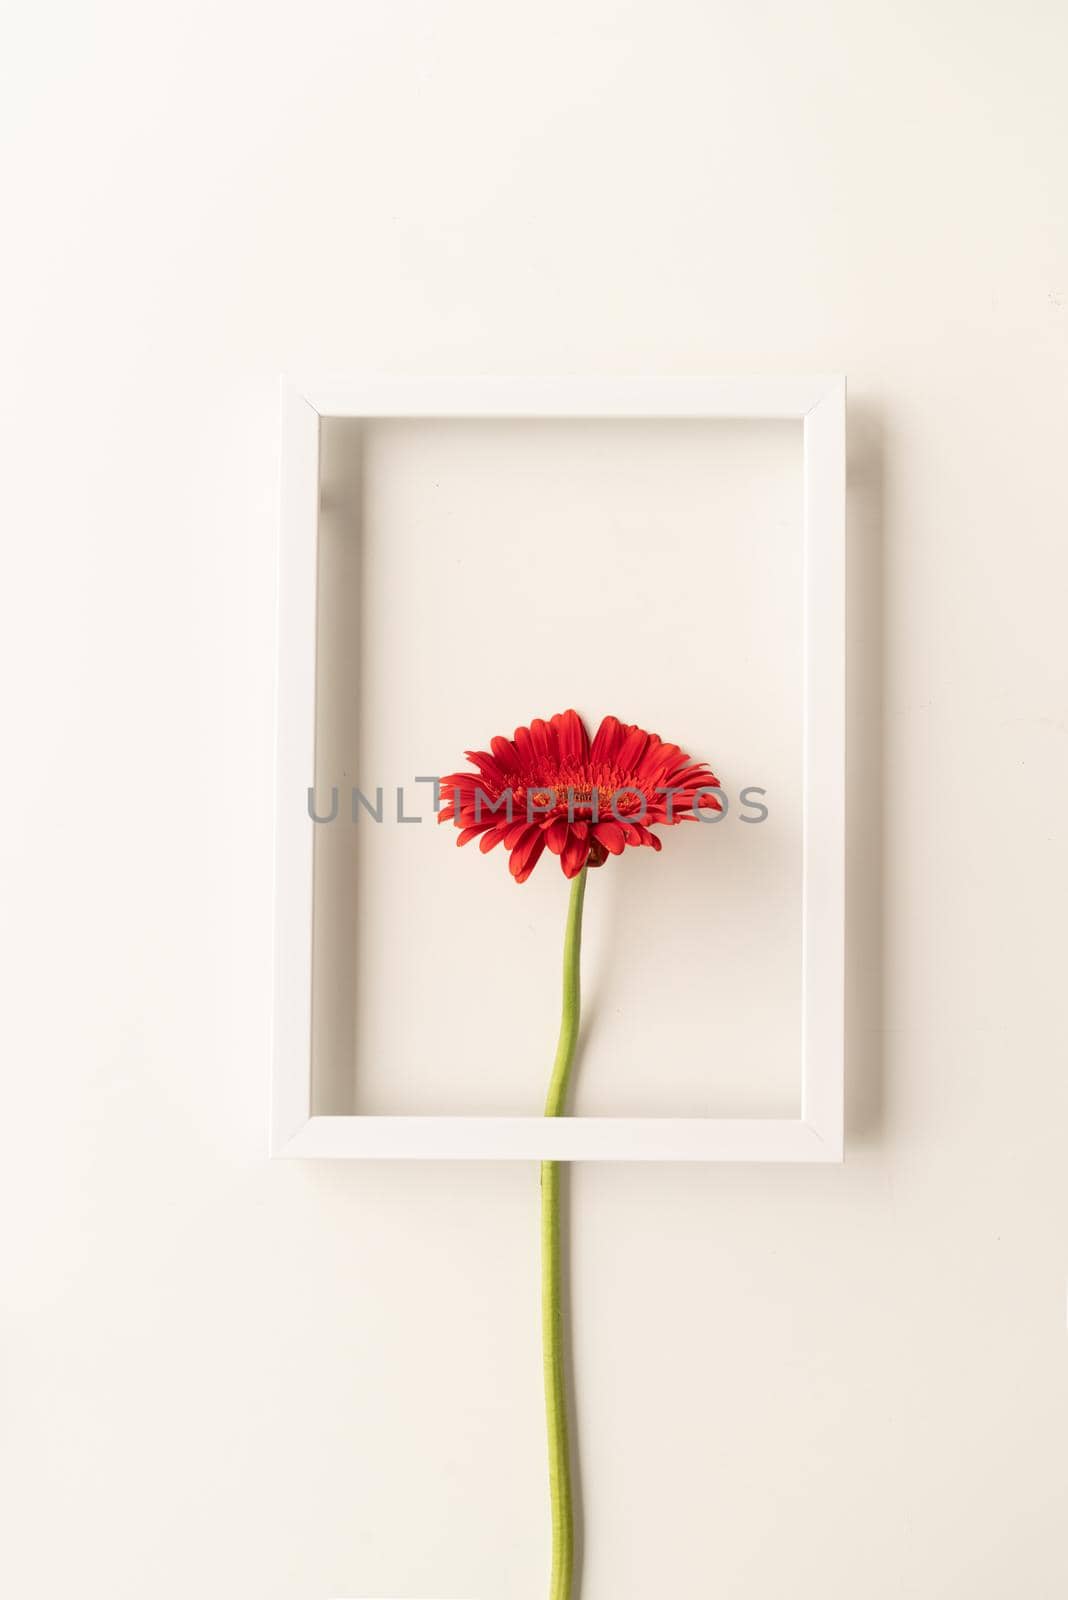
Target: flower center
[{"x": 585, "y": 797}]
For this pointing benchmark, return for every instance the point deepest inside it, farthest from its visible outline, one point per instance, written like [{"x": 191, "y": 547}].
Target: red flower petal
[
  {"x": 571, "y": 737},
  {"x": 556, "y": 835},
  {"x": 632, "y": 749},
  {"x": 505, "y": 754},
  {"x": 606, "y": 740},
  {"x": 546, "y": 753},
  {"x": 472, "y": 833},
  {"x": 522, "y": 851},
  {"x": 658, "y": 759},
  {"x": 611, "y": 836},
  {"x": 532, "y": 858},
  {"x": 576, "y": 850},
  {"x": 485, "y": 764},
  {"x": 524, "y": 744}
]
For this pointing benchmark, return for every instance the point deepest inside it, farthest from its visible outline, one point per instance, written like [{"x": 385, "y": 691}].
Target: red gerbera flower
[{"x": 550, "y": 786}]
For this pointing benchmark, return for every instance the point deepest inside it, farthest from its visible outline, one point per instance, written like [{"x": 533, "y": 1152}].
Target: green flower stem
[{"x": 552, "y": 1321}]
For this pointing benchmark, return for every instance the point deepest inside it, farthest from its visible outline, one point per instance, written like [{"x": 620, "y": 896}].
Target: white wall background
[
  {"x": 229, "y": 1378},
  {"x": 470, "y": 567}
]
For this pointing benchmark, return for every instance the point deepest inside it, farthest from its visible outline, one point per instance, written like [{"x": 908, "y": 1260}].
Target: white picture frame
[{"x": 817, "y": 1134}]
